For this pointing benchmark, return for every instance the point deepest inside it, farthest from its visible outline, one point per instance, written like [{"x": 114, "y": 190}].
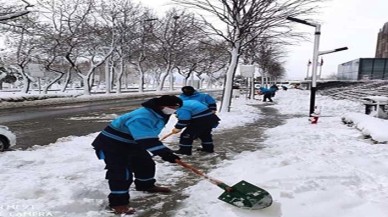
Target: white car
[{"x": 7, "y": 138}]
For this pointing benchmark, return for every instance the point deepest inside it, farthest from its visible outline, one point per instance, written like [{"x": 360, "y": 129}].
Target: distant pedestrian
[
  {"x": 198, "y": 121},
  {"x": 125, "y": 146},
  {"x": 189, "y": 93},
  {"x": 268, "y": 93},
  {"x": 273, "y": 89}
]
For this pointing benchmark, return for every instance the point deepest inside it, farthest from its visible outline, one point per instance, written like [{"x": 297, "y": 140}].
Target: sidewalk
[
  {"x": 228, "y": 144},
  {"x": 322, "y": 170}
]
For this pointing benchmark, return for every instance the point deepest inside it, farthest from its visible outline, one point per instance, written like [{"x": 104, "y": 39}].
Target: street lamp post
[
  {"x": 317, "y": 35},
  {"x": 316, "y": 54},
  {"x": 175, "y": 17}
]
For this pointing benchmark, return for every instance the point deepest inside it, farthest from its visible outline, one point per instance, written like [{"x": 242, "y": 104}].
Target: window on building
[
  {"x": 378, "y": 68},
  {"x": 366, "y": 68}
]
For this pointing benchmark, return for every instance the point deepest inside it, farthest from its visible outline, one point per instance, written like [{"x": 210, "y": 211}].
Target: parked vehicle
[{"x": 7, "y": 138}]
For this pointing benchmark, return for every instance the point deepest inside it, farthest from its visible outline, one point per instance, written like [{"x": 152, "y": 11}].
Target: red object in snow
[
  {"x": 315, "y": 116},
  {"x": 314, "y": 120}
]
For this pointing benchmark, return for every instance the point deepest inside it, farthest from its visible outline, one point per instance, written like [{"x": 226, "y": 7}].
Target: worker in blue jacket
[
  {"x": 189, "y": 93},
  {"x": 267, "y": 93},
  {"x": 273, "y": 89},
  {"x": 125, "y": 146},
  {"x": 198, "y": 121}
]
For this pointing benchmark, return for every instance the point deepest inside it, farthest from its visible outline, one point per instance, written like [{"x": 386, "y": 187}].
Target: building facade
[
  {"x": 382, "y": 42},
  {"x": 364, "y": 69}
]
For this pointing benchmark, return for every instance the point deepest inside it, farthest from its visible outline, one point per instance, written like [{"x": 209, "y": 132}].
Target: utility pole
[
  {"x": 176, "y": 17},
  {"x": 316, "y": 53}
]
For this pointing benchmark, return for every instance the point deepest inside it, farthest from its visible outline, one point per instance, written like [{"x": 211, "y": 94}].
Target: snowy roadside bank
[
  {"x": 321, "y": 170},
  {"x": 9, "y": 100}
]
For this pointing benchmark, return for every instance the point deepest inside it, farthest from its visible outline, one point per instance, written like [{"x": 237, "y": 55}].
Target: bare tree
[
  {"x": 87, "y": 41},
  {"x": 215, "y": 62},
  {"x": 3, "y": 73},
  {"x": 194, "y": 54},
  {"x": 204, "y": 57},
  {"x": 62, "y": 36},
  {"x": 6, "y": 74},
  {"x": 246, "y": 20},
  {"x": 277, "y": 70},
  {"x": 178, "y": 30},
  {"x": 23, "y": 46},
  {"x": 53, "y": 33},
  {"x": 267, "y": 54},
  {"x": 14, "y": 11},
  {"x": 124, "y": 17},
  {"x": 144, "y": 47}
]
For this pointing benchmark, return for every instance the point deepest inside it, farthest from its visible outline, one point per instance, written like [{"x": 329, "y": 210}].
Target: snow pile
[{"x": 370, "y": 126}]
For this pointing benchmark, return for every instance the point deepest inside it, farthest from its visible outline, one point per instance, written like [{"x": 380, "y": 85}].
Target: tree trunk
[
  {"x": 141, "y": 77},
  {"x": 162, "y": 80},
  {"x": 171, "y": 78},
  {"x": 26, "y": 85},
  {"x": 112, "y": 75},
  {"x": 107, "y": 77},
  {"x": 86, "y": 79},
  {"x": 120, "y": 75},
  {"x": 67, "y": 80},
  {"x": 45, "y": 90},
  {"x": 227, "y": 95},
  {"x": 186, "y": 81}
]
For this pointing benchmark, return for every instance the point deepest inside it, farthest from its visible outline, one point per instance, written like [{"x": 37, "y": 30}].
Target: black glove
[{"x": 169, "y": 156}]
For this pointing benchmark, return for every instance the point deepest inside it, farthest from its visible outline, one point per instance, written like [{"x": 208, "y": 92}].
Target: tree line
[{"x": 79, "y": 39}]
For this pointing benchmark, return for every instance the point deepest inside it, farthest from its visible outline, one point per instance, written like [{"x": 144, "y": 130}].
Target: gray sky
[{"x": 344, "y": 23}]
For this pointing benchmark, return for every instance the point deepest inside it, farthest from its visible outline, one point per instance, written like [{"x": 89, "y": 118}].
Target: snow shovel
[
  {"x": 242, "y": 194},
  {"x": 167, "y": 135}
]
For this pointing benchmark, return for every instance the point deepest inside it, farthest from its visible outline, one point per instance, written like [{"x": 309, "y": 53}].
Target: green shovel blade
[{"x": 246, "y": 195}]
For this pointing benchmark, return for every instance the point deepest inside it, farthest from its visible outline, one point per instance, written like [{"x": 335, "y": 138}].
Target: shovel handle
[
  {"x": 198, "y": 172},
  {"x": 166, "y": 136}
]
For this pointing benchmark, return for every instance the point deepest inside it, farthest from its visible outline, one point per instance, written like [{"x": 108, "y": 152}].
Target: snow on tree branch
[{"x": 15, "y": 14}]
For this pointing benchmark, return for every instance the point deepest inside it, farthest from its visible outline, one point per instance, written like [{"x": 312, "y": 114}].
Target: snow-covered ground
[{"x": 312, "y": 170}]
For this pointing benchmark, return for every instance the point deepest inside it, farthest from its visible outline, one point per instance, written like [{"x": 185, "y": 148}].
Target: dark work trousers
[
  {"x": 194, "y": 131},
  {"x": 121, "y": 164},
  {"x": 267, "y": 96}
]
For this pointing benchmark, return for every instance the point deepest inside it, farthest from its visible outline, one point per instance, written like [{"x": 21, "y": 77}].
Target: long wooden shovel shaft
[
  {"x": 198, "y": 172},
  {"x": 167, "y": 135}
]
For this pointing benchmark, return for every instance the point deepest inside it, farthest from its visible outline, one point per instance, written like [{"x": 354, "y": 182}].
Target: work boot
[
  {"x": 155, "y": 189},
  {"x": 123, "y": 209},
  {"x": 205, "y": 150},
  {"x": 184, "y": 152}
]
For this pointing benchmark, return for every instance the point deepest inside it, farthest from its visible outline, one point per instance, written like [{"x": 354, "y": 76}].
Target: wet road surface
[{"x": 44, "y": 125}]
